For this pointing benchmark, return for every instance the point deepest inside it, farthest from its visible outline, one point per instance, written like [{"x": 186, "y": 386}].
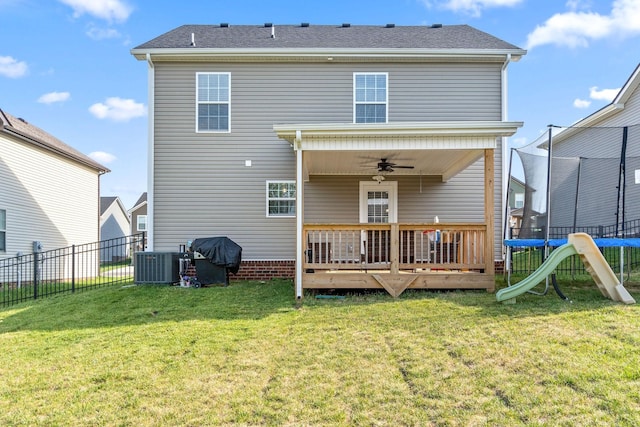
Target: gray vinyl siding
[{"x": 202, "y": 187}]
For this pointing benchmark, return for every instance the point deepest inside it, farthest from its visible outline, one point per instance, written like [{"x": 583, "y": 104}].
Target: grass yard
[{"x": 246, "y": 355}]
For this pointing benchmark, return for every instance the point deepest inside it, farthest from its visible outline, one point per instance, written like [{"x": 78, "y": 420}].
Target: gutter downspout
[
  {"x": 150, "y": 156},
  {"x": 297, "y": 146},
  {"x": 505, "y": 179}
]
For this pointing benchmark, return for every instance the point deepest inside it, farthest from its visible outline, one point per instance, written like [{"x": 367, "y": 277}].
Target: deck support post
[{"x": 489, "y": 210}]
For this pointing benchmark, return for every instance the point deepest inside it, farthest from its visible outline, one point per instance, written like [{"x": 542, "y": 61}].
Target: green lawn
[{"x": 247, "y": 355}]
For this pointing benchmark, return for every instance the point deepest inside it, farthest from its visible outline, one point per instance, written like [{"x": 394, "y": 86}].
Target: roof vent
[
  {"x": 436, "y": 26},
  {"x": 23, "y": 120},
  {"x": 304, "y": 24},
  {"x": 224, "y": 25},
  {"x": 390, "y": 25},
  {"x": 193, "y": 39},
  {"x": 346, "y": 25},
  {"x": 268, "y": 25}
]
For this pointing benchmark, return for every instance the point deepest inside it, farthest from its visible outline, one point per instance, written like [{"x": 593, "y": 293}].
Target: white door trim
[{"x": 389, "y": 186}]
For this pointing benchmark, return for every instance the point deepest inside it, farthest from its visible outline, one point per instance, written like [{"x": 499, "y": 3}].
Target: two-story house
[
  {"x": 344, "y": 156},
  {"x": 49, "y": 191}
]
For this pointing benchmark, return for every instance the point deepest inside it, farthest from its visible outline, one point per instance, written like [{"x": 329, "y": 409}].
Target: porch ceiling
[{"x": 440, "y": 149}]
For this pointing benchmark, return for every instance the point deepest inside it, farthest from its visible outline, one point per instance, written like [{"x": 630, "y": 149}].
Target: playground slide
[{"x": 578, "y": 244}]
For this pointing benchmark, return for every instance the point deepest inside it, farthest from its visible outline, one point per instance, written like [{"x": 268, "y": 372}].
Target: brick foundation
[{"x": 265, "y": 270}]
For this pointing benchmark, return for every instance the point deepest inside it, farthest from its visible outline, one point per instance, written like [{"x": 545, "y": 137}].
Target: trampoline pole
[{"x": 546, "y": 239}]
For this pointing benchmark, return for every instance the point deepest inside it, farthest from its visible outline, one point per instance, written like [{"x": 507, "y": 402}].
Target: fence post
[
  {"x": 36, "y": 273},
  {"x": 73, "y": 268}
]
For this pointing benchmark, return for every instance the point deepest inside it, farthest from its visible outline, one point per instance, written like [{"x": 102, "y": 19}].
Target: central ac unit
[{"x": 156, "y": 267}]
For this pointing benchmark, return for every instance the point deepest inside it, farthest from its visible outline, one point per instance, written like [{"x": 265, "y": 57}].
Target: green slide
[{"x": 547, "y": 267}]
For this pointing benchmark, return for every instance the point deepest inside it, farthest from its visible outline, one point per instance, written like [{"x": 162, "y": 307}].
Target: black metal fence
[
  {"x": 65, "y": 270},
  {"x": 525, "y": 260}
]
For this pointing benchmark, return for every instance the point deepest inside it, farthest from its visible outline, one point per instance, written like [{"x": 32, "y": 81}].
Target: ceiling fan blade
[{"x": 403, "y": 167}]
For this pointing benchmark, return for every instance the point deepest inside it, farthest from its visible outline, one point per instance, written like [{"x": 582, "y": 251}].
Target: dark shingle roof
[
  {"x": 105, "y": 202},
  {"x": 21, "y": 128},
  {"x": 141, "y": 199},
  {"x": 328, "y": 37}
]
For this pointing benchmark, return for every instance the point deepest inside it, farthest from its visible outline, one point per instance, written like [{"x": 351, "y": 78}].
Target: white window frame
[
  {"x": 386, "y": 101},
  {"x": 518, "y": 201},
  {"x": 269, "y": 199},
  {"x": 3, "y": 230},
  {"x": 138, "y": 223},
  {"x": 199, "y": 102}
]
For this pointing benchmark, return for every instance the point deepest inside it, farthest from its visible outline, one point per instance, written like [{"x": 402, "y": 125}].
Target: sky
[{"x": 66, "y": 66}]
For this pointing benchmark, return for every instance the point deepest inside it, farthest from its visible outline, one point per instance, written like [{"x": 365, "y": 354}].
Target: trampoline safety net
[{"x": 593, "y": 184}]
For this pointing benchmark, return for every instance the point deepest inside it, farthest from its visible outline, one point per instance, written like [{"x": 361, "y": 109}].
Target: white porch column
[{"x": 299, "y": 214}]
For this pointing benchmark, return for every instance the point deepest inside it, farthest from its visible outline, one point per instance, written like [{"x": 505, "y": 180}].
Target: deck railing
[{"x": 394, "y": 247}]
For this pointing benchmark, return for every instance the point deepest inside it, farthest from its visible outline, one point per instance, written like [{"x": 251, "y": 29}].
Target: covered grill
[{"x": 214, "y": 258}]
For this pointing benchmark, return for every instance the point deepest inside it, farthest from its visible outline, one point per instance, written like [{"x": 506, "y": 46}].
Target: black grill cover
[{"x": 220, "y": 251}]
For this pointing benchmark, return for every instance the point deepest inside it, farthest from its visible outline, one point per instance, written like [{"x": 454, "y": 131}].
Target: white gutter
[
  {"x": 505, "y": 157},
  {"x": 150, "y": 156},
  {"x": 514, "y": 54}
]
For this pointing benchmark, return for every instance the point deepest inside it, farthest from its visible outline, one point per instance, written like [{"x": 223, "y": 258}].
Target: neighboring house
[
  {"x": 138, "y": 216},
  {"x": 114, "y": 229},
  {"x": 49, "y": 192},
  {"x": 322, "y": 148},
  {"x": 587, "y": 170},
  {"x": 516, "y": 202}
]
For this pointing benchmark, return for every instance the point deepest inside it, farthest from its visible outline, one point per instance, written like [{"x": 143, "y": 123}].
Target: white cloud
[
  {"x": 577, "y": 29},
  {"x": 604, "y": 94},
  {"x": 109, "y": 10},
  {"x": 118, "y": 109},
  {"x": 581, "y": 103},
  {"x": 52, "y": 97},
  {"x": 102, "y": 157},
  {"x": 472, "y": 7},
  {"x": 10, "y": 67},
  {"x": 103, "y": 33}
]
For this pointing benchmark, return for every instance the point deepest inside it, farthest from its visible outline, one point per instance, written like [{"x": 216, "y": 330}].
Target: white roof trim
[
  {"x": 422, "y": 135},
  {"x": 157, "y": 53}
]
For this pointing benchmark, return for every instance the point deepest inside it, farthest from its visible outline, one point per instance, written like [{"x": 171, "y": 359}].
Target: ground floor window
[{"x": 281, "y": 198}]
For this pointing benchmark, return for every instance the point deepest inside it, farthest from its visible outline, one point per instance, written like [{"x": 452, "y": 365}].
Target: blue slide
[{"x": 547, "y": 267}]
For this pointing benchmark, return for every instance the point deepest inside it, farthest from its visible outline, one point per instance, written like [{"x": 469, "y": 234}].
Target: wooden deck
[{"x": 396, "y": 257}]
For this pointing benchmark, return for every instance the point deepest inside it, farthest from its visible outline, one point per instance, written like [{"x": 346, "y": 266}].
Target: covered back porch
[{"x": 379, "y": 251}]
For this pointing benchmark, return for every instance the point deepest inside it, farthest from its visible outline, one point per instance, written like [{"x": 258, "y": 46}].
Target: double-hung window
[
  {"x": 281, "y": 198},
  {"x": 141, "y": 223},
  {"x": 519, "y": 202},
  {"x": 3, "y": 230},
  {"x": 370, "y": 97},
  {"x": 213, "y": 98}
]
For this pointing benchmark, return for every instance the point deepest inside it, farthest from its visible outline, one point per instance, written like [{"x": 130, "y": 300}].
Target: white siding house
[
  {"x": 49, "y": 192},
  {"x": 114, "y": 228},
  {"x": 320, "y": 148}
]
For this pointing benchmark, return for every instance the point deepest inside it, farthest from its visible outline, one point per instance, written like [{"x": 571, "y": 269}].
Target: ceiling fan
[{"x": 385, "y": 166}]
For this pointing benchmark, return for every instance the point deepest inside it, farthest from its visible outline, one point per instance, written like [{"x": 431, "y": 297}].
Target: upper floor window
[
  {"x": 281, "y": 198},
  {"x": 213, "y": 98},
  {"x": 370, "y": 97},
  {"x": 519, "y": 202},
  {"x": 3, "y": 230},
  {"x": 141, "y": 223}
]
